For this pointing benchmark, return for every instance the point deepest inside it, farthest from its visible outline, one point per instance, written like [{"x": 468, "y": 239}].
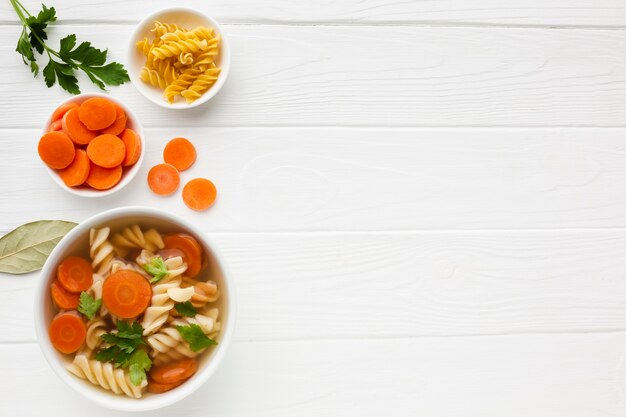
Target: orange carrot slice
[
  {"x": 119, "y": 124},
  {"x": 62, "y": 298},
  {"x": 75, "y": 274},
  {"x": 62, "y": 109},
  {"x": 126, "y": 293},
  {"x": 163, "y": 179},
  {"x": 97, "y": 113},
  {"x": 56, "y": 150},
  {"x": 199, "y": 194},
  {"x": 133, "y": 147},
  {"x": 76, "y": 173},
  {"x": 75, "y": 129},
  {"x": 172, "y": 372},
  {"x": 191, "y": 249},
  {"x": 55, "y": 126},
  {"x": 157, "y": 388},
  {"x": 180, "y": 153},
  {"x": 103, "y": 178},
  {"x": 67, "y": 332},
  {"x": 106, "y": 151}
]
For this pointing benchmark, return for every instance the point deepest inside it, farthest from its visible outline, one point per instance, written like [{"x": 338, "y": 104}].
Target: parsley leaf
[
  {"x": 157, "y": 268},
  {"x": 139, "y": 364},
  {"x": 122, "y": 344},
  {"x": 186, "y": 309},
  {"x": 88, "y": 306},
  {"x": 196, "y": 338},
  {"x": 63, "y": 64}
]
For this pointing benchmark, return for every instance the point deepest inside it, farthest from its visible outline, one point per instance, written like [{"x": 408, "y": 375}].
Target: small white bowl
[
  {"x": 76, "y": 242},
  {"x": 128, "y": 173},
  {"x": 187, "y": 18}
]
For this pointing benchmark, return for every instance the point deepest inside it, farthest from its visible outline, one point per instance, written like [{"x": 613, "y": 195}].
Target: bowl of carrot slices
[
  {"x": 92, "y": 145},
  {"x": 134, "y": 309}
]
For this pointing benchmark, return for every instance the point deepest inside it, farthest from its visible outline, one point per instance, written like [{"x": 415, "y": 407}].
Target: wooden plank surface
[{"x": 393, "y": 76}]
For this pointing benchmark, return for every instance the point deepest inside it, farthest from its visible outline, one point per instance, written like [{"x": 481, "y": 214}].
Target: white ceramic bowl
[
  {"x": 128, "y": 173},
  {"x": 187, "y": 18},
  {"x": 76, "y": 242}
]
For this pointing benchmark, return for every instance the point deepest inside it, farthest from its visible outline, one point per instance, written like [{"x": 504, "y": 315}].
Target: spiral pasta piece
[
  {"x": 145, "y": 46},
  {"x": 204, "y": 292},
  {"x": 200, "y": 85},
  {"x": 176, "y": 48},
  {"x": 95, "y": 329},
  {"x": 161, "y": 28},
  {"x": 185, "y": 59},
  {"x": 106, "y": 376},
  {"x": 152, "y": 77},
  {"x": 100, "y": 250},
  {"x": 180, "y": 84},
  {"x": 134, "y": 237},
  {"x": 160, "y": 305}
]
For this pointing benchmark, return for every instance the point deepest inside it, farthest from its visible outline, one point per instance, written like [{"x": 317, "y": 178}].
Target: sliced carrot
[
  {"x": 75, "y": 274},
  {"x": 180, "y": 153},
  {"x": 62, "y": 298},
  {"x": 157, "y": 388},
  {"x": 199, "y": 194},
  {"x": 191, "y": 249},
  {"x": 126, "y": 293},
  {"x": 106, "y": 151},
  {"x": 133, "y": 147},
  {"x": 163, "y": 179},
  {"x": 103, "y": 178},
  {"x": 75, "y": 129},
  {"x": 119, "y": 124},
  {"x": 62, "y": 109},
  {"x": 56, "y": 150},
  {"x": 76, "y": 173},
  {"x": 67, "y": 332},
  {"x": 55, "y": 126},
  {"x": 97, "y": 113},
  {"x": 176, "y": 371}
]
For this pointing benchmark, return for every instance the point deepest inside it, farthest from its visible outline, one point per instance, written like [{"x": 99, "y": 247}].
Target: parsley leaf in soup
[
  {"x": 157, "y": 268},
  {"x": 139, "y": 363},
  {"x": 121, "y": 344},
  {"x": 196, "y": 338},
  {"x": 186, "y": 309},
  {"x": 88, "y": 306}
]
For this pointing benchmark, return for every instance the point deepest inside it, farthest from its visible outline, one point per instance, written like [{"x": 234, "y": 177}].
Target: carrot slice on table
[
  {"x": 75, "y": 274},
  {"x": 103, "y": 178},
  {"x": 97, "y": 113},
  {"x": 199, "y": 194},
  {"x": 62, "y": 298},
  {"x": 56, "y": 150},
  {"x": 106, "y": 151},
  {"x": 191, "y": 249},
  {"x": 75, "y": 129},
  {"x": 119, "y": 124},
  {"x": 62, "y": 109},
  {"x": 126, "y": 293},
  {"x": 67, "y": 332},
  {"x": 180, "y": 153},
  {"x": 163, "y": 179},
  {"x": 133, "y": 147},
  {"x": 76, "y": 173},
  {"x": 172, "y": 372},
  {"x": 157, "y": 388},
  {"x": 55, "y": 126}
]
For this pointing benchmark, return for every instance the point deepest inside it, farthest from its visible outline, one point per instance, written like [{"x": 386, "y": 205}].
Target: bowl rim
[
  {"x": 105, "y": 399},
  {"x": 131, "y": 172},
  {"x": 224, "y": 64}
]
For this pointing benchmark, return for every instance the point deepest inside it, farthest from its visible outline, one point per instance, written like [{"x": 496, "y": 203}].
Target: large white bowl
[
  {"x": 128, "y": 173},
  {"x": 187, "y": 18},
  {"x": 76, "y": 242}
]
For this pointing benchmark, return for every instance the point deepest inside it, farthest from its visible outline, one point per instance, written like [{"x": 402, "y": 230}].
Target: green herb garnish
[
  {"x": 122, "y": 344},
  {"x": 63, "y": 63},
  {"x": 139, "y": 363},
  {"x": 88, "y": 306},
  {"x": 157, "y": 268},
  {"x": 196, "y": 338},
  {"x": 186, "y": 309}
]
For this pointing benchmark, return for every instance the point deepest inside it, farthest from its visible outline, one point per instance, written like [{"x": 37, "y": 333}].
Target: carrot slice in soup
[
  {"x": 97, "y": 113},
  {"x": 103, "y": 178},
  {"x": 67, "y": 332},
  {"x": 126, "y": 293},
  {"x": 62, "y": 109},
  {"x": 163, "y": 179},
  {"x": 76, "y": 173},
  {"x": 56, "y": 150},
  {"x": 180, "y": 153},
  {"x": 191, "y": 249},
  {"x": 106, "y": 151},
  {"x": 199, "y": 194},
  {"x": 62, "y": 298},
  {"x": 176, "y": 371},
  {"x": 75, "y": 129},
  {"x": 157, "y": 388},
  {"x": 119, "y": 124},
  {"x": 75, "y": 274},
  {"x": 133, "y": 147}
]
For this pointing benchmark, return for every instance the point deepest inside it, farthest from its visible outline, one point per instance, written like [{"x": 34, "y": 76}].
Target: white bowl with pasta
[
  {"x": 74, "y": 243},
  {"x": 164, "y": 75}
]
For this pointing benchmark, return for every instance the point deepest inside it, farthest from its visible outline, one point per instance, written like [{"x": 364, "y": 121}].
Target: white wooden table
[{"x": 423, "y": 204}]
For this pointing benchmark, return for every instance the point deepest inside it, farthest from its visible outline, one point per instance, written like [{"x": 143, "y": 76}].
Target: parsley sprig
[
  {"x": 157, "y": 268},
  {"x": 88, "y": 305},
  {"x": 196, "y": 338},
  {"x": 63, "y": 63},
  {"x": 186, "y": 309}
]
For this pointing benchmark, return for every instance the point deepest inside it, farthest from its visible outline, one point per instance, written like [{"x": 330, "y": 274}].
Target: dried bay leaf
[{"x": 26, "y": 248}]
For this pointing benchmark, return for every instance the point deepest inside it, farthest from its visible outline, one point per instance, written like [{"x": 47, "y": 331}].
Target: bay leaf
[{"x": 26, "y": 248}]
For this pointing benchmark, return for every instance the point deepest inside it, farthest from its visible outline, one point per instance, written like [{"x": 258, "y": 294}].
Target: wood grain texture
[
  {"x": 361, "y": 76},
  {"x": 379, "y": 285},
  {"x": 555, "y": 375},
  {"x": 500, "y": 12},
  {"x": 304, "y": 179}
]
